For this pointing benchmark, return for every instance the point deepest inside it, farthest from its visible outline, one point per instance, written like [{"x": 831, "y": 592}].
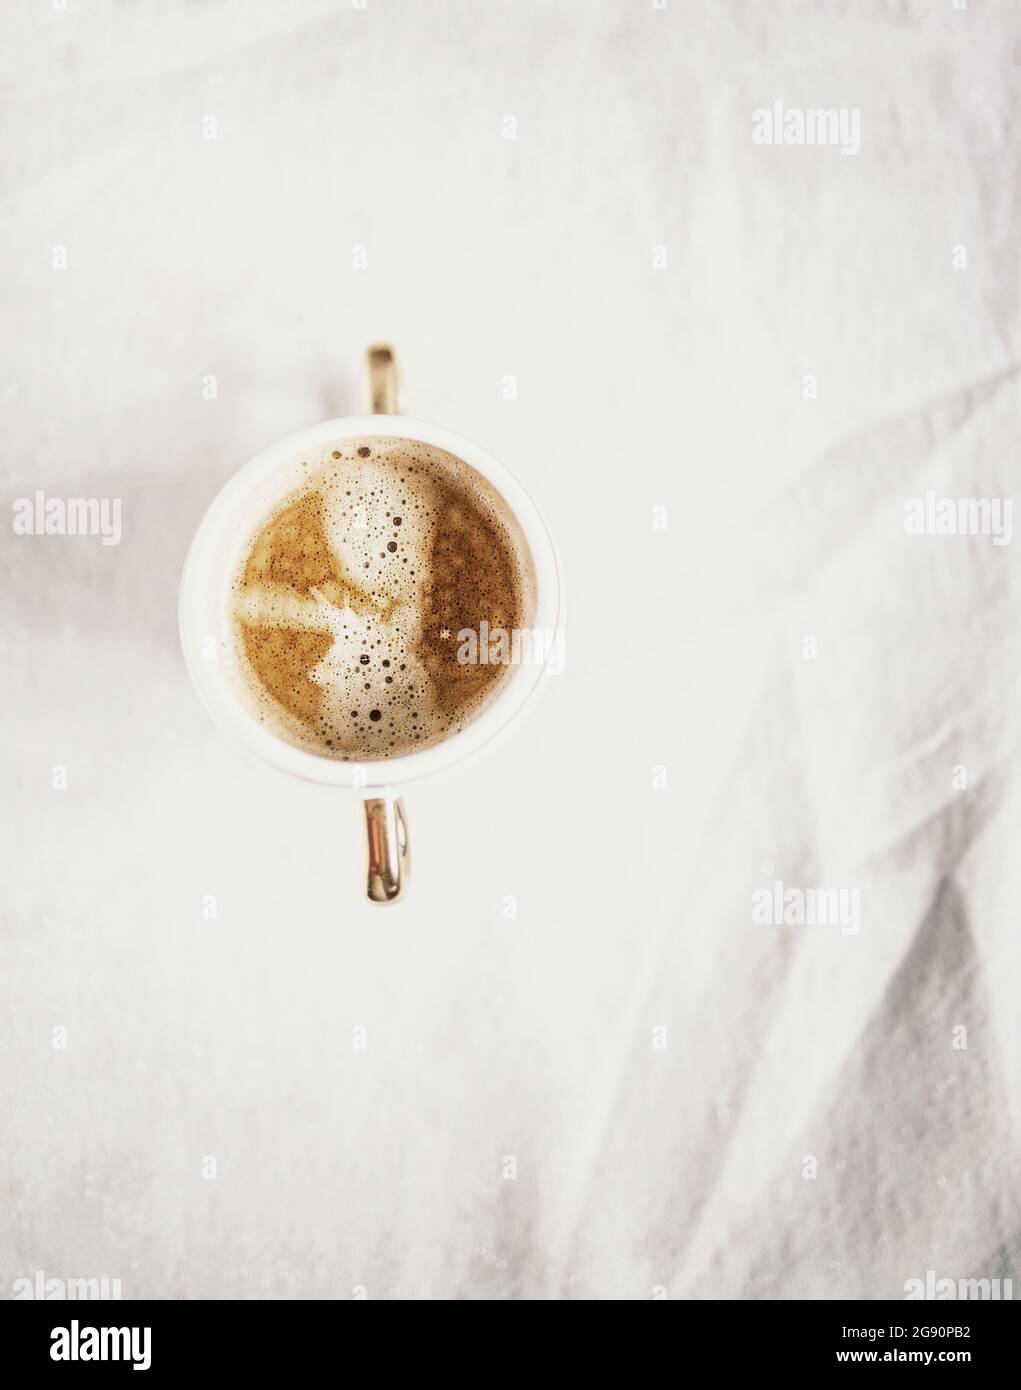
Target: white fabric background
[{"x": 637, "y": 1168}]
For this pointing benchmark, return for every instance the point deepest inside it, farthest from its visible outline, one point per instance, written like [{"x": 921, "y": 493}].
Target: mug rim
[{"x": 206, "y": 575}]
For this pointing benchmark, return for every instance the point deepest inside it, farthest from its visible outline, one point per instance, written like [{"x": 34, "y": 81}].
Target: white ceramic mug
[{"x": 206, "y": 635}]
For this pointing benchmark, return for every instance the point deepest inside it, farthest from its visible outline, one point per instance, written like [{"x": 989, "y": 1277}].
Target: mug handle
[
  {"x": 386, "y": 823},
  {"x": 386, "y": 829}
]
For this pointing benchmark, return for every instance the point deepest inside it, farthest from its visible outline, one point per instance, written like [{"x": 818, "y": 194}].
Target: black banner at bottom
[{"x": 165, "y": 1340}]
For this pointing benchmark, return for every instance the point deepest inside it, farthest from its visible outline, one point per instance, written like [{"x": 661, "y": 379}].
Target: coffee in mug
[{"x": 355, "y": 597}]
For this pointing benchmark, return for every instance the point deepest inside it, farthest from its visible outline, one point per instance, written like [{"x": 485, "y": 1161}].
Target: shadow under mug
[{"x": 207, "y": 640}]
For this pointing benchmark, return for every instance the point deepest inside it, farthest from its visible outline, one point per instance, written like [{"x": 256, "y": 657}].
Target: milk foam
[{"x": 348, "y": 602}]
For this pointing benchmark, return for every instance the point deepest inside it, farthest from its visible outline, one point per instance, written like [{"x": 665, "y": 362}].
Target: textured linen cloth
[{"x": 722, "y": 368}]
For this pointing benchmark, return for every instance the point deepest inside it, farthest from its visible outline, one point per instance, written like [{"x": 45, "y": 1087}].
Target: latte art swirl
[{"x": 347, "y": 605}]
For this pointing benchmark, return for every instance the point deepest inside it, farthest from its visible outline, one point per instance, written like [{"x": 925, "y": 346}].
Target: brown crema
[{"x": 351, "y": 605}]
